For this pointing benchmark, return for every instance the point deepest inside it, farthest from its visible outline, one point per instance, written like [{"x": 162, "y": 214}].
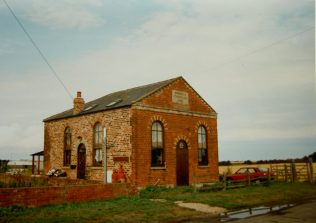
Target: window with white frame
[
  {"x": 157, "y": 147},
  {"x": 202, "y": 146},
  {"x": 97, "y": 145}
]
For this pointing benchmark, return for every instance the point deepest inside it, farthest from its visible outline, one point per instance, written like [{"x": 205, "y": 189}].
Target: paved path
[{"x": 305, "y": 212}]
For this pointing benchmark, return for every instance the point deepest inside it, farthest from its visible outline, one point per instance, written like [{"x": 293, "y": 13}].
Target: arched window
[
  {"x": 67, "y": 147},
  {"x": 97, "y": 145},
  {"x": 157, "y": 154},
  {"x": 202, "y": 146}
]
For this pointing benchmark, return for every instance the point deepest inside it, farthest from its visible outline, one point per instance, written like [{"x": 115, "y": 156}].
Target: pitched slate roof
[{"x": 115, "y": 100}]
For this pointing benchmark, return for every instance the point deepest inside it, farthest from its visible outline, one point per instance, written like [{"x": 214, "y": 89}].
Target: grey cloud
[
  {"x": 265, "y": 96},
  {"x": 63, "y": 15}
]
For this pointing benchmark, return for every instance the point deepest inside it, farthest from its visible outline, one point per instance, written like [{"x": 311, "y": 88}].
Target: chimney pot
[{"x": 78, "y": 104}]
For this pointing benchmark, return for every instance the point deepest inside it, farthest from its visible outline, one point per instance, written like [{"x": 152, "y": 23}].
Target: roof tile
[{"x": 115, "y": 100}]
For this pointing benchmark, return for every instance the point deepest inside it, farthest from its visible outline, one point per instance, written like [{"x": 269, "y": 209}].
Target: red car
[{"x": 254, "y": 173}]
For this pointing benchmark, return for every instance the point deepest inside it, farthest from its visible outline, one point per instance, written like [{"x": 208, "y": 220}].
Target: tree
[
  {"x": 247, "y": 162},
  {"x": 224, "y": 163},
  {"x": 313, "y": 156},
  {"x": 3, "y": 166}
]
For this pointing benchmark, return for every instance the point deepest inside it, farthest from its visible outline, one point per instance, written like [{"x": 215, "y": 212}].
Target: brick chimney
[{"x": 78, "y": 103}]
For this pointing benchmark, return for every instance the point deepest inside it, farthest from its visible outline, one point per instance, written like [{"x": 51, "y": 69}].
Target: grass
[
  {"x": 129, "y": 209},
  {"x": 238, "y": 198},
  {"x": 15, "y": 181},
  {"x": 142, "y": 209}
]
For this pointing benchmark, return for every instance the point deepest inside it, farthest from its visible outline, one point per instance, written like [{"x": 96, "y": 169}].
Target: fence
[
  {"x": 294, "y": 172},
  {"x": 285, "y": 172},
  {"x": 225, "y": 184}
]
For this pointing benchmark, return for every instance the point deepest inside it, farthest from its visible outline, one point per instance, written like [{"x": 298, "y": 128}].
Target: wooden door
[
  {"x": 182, "y": 163},
  {"x": 81, "y": 165}
]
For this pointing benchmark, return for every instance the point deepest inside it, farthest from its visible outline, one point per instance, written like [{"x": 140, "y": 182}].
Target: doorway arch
[
  {"x": 81, "y": 161},
  {"x": 182, "y": 163}
]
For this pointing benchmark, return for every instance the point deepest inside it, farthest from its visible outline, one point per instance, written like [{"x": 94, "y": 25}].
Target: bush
[{"x": 3, "y": 166}]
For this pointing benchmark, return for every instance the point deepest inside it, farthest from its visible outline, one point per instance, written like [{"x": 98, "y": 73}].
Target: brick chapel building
[{"x": 159, "y": 134}]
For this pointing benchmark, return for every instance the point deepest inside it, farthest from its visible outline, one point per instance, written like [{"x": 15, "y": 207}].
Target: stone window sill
[
  {"x": 158, "y": 167},
  {"x": 204, "y": 166}
]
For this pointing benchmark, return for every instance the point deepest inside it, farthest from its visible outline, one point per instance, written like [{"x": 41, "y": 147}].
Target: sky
[{"x": 252, "y": 61}]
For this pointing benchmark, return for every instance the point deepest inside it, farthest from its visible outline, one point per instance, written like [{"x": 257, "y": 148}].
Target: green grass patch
[
  {"x": 275, "y": 193},
  {"x": 129, "y": 209},
  {"x": 142, "y": 209}
]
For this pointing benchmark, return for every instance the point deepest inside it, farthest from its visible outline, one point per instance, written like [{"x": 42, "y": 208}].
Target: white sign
[
  {"x": 180, "y": 97},
  {"x": 109, "y": 176}
]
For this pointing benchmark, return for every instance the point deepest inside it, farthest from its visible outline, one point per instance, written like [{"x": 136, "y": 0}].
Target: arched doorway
[
  {"x": 182, "y": 163},
  {"x": 81, "y": 162}
]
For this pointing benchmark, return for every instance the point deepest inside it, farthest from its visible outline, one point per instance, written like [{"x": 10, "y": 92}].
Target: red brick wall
[
  {"x": 176, "y": 127},
  {"x": 180, "y": 122},
  {"x": 32, "y": 197},
  {"x": 163, "y": 98}
]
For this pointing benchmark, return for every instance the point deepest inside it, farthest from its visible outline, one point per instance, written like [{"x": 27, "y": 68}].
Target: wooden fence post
[
  {"x": 38, "y": 164},
  {"x": 224, "y": 182},
  {"x": 293, "y": 172},
  {"x": 33, "y": 164},
  {"x": 311, "y": 170},
  {"x": 309, "y": 177},
  {"x": 271, "y": 169},
  {"x": 277, "y": 171},
  {"x": 286, "y": 173}
]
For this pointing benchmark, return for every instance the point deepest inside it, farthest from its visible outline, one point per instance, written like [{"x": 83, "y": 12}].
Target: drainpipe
[{"x": 104, "y": 160}]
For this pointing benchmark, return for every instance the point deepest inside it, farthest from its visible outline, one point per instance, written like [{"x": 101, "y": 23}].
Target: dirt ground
[{"x": 304, "y": 212}]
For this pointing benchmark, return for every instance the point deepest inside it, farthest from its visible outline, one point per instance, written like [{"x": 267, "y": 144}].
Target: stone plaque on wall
[
  {"x": 180, "y": 97},
  {"x": 120, "y": 159}
]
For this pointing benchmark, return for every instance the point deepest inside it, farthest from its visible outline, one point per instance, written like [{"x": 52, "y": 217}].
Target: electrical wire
[
  {"x": 261, "y": 48},
  {"x": 38, "y": 49},
  {"x": 42, "y": 56},
  {"x": 212, "y": 68}
]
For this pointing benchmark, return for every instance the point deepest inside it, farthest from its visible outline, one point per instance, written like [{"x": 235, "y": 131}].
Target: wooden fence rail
[
  {"x": 294, "y": 172},
  {"x": 285, "y": 172}
]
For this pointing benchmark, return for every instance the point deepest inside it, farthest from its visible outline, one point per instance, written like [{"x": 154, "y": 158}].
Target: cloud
[
  {"x": 257, "y": 132},
  {"x": 65, "y": 14},
  {"x": 265, "y": 96},
  {"x": 175, "y": 42},
  {"x": 9, "y": 46},
  {"x": 19, "y": 139},
  {"x": 193, "y": 42}
]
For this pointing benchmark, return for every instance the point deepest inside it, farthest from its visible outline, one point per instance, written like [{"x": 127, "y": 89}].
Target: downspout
[{"x": 104, "y": 158}]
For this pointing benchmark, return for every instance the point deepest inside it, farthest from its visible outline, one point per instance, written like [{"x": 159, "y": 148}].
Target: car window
[
  {"x": 242, "y": 170},
  {"x": 251, "y": 171},
  {"x": 263, "y": 169}
]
